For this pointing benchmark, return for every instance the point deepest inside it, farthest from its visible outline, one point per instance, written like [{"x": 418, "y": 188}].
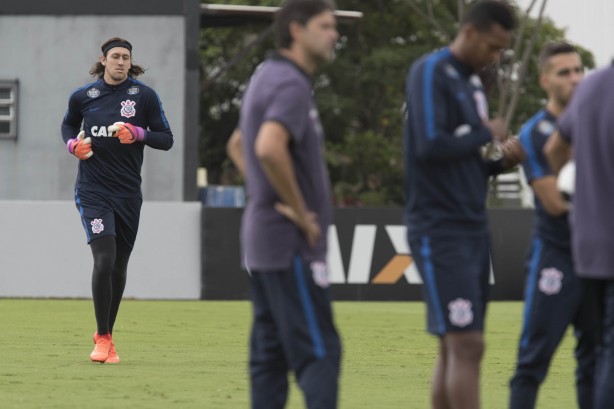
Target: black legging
[{"x": 108, "y": 280}]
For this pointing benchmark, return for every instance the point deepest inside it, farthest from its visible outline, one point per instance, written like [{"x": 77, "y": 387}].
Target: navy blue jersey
[
  {"x": 446, "y": 175},
  {"x": 115, "y": 168},
  {"x": 533, "y": 136}
]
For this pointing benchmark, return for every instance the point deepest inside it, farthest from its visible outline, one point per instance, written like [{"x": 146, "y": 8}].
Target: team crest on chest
[
  {"x": 551, "y": 281},
  {"x": 97, "y": 226},
  {"x": 128, "y": 110},
  {"x": 461, "y": 314},
  {"x": 545, "y": 127},
  {"x": 481, "y": 104},
  {"x": 93, "y": 92}
]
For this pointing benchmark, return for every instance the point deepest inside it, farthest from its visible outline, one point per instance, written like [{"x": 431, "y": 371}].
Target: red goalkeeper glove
[
  {"x": 127, "y": 133},
  {"x": 80, "y": 146}
]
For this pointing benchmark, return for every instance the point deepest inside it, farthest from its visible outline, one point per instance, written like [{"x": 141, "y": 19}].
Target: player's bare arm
[
  {"x": 547, "y": 192},
  {"x": 234, "y": 150},
  {"x": 557, "y": 151},
  {"x": 272, "y": 152}
]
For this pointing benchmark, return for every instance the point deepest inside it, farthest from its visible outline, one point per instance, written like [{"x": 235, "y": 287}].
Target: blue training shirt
[
  {"x": 115, "y": 168},
  {"x": 533, "y": 136},
  {"x": 446, "y": 175}
]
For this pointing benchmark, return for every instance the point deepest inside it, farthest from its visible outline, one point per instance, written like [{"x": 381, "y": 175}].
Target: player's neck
[
  {"x": 554, "y": 107},
  {"x": 300, "y": 58},
  {"x": 458, "y": 50}
]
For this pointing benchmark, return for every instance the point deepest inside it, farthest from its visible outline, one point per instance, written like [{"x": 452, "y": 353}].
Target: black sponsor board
[{"x": 369, "y": 258}]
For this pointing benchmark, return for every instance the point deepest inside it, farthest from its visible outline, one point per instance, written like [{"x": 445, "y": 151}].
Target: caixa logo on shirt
[{"x": 99, "y": 131}]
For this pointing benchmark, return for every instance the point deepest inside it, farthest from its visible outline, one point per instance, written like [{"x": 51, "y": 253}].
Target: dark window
[{"x": 8, "y": 109}]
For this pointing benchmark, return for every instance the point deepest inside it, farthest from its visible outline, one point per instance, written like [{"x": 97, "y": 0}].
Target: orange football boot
[
  {"x": 113, "y": 358},
  {"x": 101, "y": 350}
]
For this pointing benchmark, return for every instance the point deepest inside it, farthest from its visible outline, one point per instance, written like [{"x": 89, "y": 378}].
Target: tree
[
  {"x": 361, "y": 94},
  {"x": 223, "y": 81}
]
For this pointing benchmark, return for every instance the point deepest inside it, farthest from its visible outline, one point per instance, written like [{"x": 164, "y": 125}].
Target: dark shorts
[
  {"x": 455, "y": 272},
  {"x": 104, "y": 215}
]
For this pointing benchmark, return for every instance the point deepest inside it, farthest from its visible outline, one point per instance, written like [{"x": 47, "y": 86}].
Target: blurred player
[
  {"x": 587, "y": 123},
  {"x": 280, "y": 146},
  {"x": 554, "y": 296},
  {"x": 446, "y": 180},
  {"x": 120, "y": 115}
]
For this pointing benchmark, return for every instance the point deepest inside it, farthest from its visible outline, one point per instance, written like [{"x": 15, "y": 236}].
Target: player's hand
[
  {"x": 498, "y": 129},
  {"x": 512, "y": 153},
  {"x": 127, "y": 133},
  {"x": 308, "y": 222},
  {"x": 80, "y": 146}
]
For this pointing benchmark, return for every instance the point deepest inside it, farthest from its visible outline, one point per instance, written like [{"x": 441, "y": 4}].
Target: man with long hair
[
  {"x": 280, "y": 146},
  {"x": 107, "y": 125}
]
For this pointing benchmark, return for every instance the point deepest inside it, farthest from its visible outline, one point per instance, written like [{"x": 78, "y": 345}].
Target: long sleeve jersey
[
  {"x": 533, "y": 136},
  {"x": 115, "y": 168},
  {"x": 446, "y": 175}
]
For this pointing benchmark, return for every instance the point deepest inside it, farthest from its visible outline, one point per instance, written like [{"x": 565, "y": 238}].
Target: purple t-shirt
[
  {"x": 588, "y": 123},
  {"x": 280, "y": 91}
]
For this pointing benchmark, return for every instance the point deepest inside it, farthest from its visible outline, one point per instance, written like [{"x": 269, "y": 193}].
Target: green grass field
[{"x": 194, "y": 355}]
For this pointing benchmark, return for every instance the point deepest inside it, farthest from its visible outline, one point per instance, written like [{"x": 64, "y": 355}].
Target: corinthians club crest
[
  {"x": 97, "y": 226},
  {"x": 551, "y": 281},
  {"x": 461, "y": 313},
  {"x": 128, "y": 110}
]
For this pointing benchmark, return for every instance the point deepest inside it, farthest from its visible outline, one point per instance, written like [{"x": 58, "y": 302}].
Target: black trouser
[
  {"x": 108, "y": 280},
  {"x": 554, "y": 298},
  {"x": 293, "y": 329}
]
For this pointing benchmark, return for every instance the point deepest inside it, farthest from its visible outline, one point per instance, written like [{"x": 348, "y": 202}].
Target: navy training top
[
  {"x": 115, "y": 168},
  {"x": 446, "y": 174},
  {"x": 533, "y": 136}
]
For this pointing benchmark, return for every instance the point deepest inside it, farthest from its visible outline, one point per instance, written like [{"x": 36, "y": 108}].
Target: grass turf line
[{"x": 193, "y": 354}]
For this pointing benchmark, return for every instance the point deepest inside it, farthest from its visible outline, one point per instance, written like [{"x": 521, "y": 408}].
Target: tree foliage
[{"x": 360, "y": 95}]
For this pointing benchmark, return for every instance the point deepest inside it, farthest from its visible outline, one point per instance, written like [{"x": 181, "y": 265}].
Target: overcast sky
[{"x": 589, "y": 23}]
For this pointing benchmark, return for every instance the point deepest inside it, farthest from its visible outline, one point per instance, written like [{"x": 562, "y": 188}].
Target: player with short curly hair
[{"x": 446, "y": 183}]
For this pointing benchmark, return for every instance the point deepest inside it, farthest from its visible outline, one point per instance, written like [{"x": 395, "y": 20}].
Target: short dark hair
[
  {"x": 300, "y": 11},
  {"x": 553, "y": 48},
  {"x": 483, "y": 13}
]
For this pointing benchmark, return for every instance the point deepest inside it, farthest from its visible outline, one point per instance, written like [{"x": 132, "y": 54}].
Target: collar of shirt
[
  {"x": 549, "y": 115},
  {"x": 464, "y": 69},
  {"x": 275, "y": 55},
  {"x": 123, "y": 85}
]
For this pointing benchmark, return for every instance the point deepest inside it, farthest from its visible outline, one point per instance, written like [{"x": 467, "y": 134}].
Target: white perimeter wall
[
  {"x": 43, "y": 251},
  {"x": 51, "y": 57}
]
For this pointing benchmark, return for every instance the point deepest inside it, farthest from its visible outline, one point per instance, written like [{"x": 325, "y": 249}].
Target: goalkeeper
[{"x": 118, "y": 116}]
